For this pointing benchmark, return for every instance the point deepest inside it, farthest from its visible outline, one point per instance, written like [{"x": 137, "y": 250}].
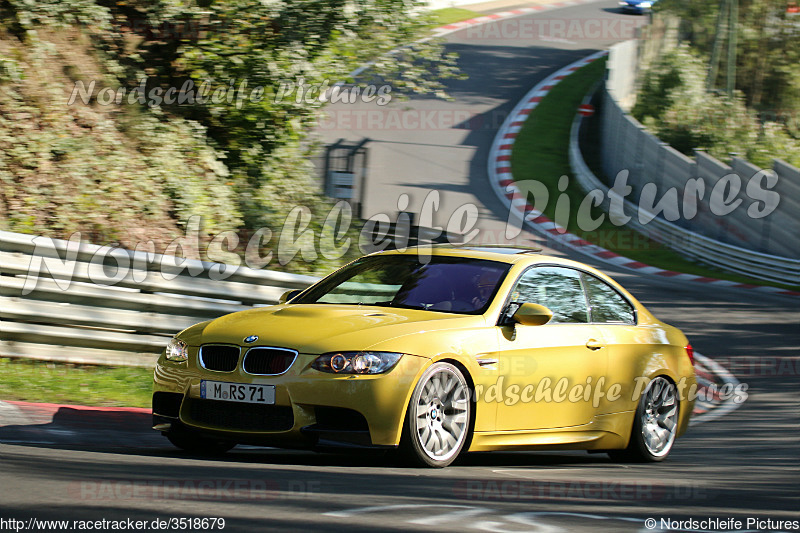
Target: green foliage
[
  {"x": 113, "y": 176},
  {"x": 674, "y": 104},
  {"x": 176, "y": 155},
  {"x": 60, "y": 13},
  {"x": 279, "y": 44},
  {"x": 774, "y": 142},
  {"x": 9, "y": 70},
  {"x": 133, "y": 171},
  {"x": 38, "y": 381},
  {"x": 767, "y": 54}
]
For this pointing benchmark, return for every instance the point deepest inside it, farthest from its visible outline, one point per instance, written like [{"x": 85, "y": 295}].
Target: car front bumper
[{"x": 311, "y": 408}]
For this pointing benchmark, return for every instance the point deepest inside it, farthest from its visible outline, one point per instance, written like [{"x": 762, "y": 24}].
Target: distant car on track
[
  {"x": 434, "y": 352},
  {"x": 640, "y": 7}
]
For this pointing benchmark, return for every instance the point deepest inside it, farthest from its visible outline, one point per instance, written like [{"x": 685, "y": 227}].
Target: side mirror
[
  {"x": 530, "y": 314},
  {"x": 288, "y": 295}
]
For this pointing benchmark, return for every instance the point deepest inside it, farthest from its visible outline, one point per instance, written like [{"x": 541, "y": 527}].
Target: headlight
[
  {"x": 646, "y": 4},
  {"x": 177, "y": 350},
  {"x": 356, "y": 362}
]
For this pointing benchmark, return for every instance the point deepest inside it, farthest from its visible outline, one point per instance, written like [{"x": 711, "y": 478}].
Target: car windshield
[{"x": 445, "y": 284}]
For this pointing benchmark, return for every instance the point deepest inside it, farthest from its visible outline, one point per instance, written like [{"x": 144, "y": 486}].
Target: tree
[
  {"x": 767, "y": 52},
  {"x": 249, "y": 141}
]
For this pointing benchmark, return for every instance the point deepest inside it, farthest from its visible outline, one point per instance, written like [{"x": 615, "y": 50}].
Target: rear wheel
[
  {"x": 655, "y": 424},
  {"x": 437, "y": 419},
  {"x": 197, "y": 444}
]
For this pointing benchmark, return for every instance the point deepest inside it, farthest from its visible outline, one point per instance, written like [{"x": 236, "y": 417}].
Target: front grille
[
  {"x": 167, "y": 403},
  {"x": 241, "y": 416},
  {"x": 268, "y": 361},
  {"x": 219, "y": 357}
]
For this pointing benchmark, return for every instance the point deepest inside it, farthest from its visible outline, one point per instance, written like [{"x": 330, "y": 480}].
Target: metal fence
[
  {"x": 82, "y": 303},
  {"x": 625, "y": 145},
  {"x": 86, "y": 304}
]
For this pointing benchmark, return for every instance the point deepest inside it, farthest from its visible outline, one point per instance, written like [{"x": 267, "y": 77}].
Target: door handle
[{"x": 594, "y": 344}]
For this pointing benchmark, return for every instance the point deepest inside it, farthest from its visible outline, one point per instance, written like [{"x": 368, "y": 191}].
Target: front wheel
[
  {"x": 655, "y": 424},
  {"x": 438, "y": 417}
]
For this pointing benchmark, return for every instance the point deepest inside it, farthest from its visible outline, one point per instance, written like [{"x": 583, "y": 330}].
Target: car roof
[{"x": 500, "y": 253}]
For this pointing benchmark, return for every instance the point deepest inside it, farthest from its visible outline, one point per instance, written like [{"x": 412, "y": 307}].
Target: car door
[
  {"x": 629, "y": 346},
  {"x": 548, "y": 367}
]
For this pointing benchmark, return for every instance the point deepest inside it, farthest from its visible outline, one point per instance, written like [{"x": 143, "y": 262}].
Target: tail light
[{"x": 690, "y": 353}]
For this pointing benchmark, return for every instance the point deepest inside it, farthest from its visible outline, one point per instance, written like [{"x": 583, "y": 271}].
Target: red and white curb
[
  {"x": 502, "y": 181},
  {"x": 471, "y": 23},
  {"x": 713, "y": 376},
  {"x": 27, "y": 413},
  {"x": 75, "y": 425},
  {"x": 503, "y": 15}
]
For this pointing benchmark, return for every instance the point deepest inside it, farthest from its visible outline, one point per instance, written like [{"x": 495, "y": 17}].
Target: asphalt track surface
[{"x": 67, "y": 465}]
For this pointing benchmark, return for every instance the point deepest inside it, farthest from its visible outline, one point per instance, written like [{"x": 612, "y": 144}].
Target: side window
[
  {"x": 606, "y": 304},
  {"x": 559, "y": 289}
]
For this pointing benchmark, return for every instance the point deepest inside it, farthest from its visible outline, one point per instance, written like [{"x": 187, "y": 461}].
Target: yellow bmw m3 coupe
[{"x": 434, "y": 352}]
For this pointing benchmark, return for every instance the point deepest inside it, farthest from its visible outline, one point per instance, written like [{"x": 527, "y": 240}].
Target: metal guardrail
[
  {"x": 83, "y": 303},
  {"x": 725, "y": 256}
]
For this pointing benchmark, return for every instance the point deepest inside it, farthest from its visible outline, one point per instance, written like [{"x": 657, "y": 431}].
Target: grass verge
[
  {"x": 541, "y": 152},
  {"x": 39, "y": 381},
  {"x": 449, "y": 15}
]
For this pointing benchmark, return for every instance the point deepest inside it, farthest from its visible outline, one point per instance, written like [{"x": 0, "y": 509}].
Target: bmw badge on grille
[{"x": 251, "y": 339}]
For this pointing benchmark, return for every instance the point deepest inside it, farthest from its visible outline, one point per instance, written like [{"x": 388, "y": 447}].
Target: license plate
[{"x": 237, "y": 392}]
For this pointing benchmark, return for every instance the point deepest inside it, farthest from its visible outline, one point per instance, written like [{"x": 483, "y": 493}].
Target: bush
[
  {"x": 674, "y": 104},
  {"x": 131, "y": 172}
]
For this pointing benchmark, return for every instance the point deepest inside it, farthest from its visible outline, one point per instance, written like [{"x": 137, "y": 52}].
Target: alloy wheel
[{"x": 659, "y": 416}]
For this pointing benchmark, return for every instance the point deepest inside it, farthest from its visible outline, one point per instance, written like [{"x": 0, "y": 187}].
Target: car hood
[{"x": 319, "y": 328}]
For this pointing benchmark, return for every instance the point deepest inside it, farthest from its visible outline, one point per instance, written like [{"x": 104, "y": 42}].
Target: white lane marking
[
  {"x": 542, "y": 473},
  {"x": 501, "y": 524},
  {"x": 546, "y": 39},
  {"x": 532, "y": 519},
  {"x": 730, "y": 404},
  {"x": 578, "y": 515},
  {"x": 501, "y": 527},
  {"x": 448, "y": 518},
  {"x": 514, "y": 472},
  {"x": 378, "y": 508},
  {"x": 509, "y": 523}
]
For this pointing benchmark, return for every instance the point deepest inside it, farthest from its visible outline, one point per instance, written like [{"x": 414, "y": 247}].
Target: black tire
[
  {"x": 658, "y": 409},
  {"x": 197, "y": 444},
  {"x": 437, "y": 423}
]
